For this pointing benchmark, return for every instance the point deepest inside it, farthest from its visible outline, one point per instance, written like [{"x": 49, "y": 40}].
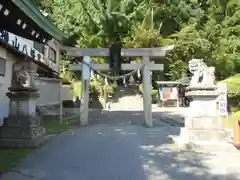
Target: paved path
[
  {"x": 116, "y": 147},
  {"x": 122, "y": 152},
  {"x": 123, "y": 117}
]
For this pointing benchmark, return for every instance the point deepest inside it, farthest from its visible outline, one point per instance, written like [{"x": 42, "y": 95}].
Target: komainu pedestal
[
  {"x": 22, "y": 128},
  {"x": 203, "y": 127},
  {"x": 202, "y": 122}
]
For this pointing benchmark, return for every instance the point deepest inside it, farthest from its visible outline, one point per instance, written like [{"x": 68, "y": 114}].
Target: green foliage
[
  {"x": 65, "y": 74},
  {"x": 140, "y": 88},
  {"x": 108, "y": 89},
  {"x": 213, "y": 36},
  {"x": 77, "y": 89},
  {"x": 230, "y": 121},
  {"x": 11, "y": 157},
  {"x": 233, "y": 84},
  {"x": 154, "y": 92},
  {"x": 143, "y": 38},
  {"x": 199, "y": 28},
  {"x": 95, "y": 89}
]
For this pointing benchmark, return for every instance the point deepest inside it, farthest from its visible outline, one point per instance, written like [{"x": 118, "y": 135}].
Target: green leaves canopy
[{"x": 208, "y": 29}]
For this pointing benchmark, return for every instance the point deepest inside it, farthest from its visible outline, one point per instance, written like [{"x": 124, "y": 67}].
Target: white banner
[
  {"x": 222, "y": 99},
  {"x": 86, "y": 72}
]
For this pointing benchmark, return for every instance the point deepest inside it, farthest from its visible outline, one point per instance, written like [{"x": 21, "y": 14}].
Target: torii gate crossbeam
[{"x": 145, "y": 53}]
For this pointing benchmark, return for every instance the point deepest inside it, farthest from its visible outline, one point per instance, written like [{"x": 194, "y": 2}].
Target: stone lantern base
[{"x": 22, "y": 128}]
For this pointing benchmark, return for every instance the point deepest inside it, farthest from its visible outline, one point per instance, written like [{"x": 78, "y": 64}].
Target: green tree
[{"x": 208, "y": 29}]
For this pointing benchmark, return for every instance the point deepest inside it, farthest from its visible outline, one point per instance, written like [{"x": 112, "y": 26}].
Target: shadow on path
[
  {"x": 133, "y": 117},
  {"x": 121, "y": 152}
]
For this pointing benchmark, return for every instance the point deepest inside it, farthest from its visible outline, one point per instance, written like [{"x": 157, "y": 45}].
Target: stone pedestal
[
  {"x": 22, "y": 128},
  {"x": 203, "y": 122},
  {"x": 203, "y": 127}
]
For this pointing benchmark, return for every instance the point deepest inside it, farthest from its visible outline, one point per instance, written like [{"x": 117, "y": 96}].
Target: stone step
[
  {"x": 215, "y": 141},
  {"x": 204, "y": 146}
]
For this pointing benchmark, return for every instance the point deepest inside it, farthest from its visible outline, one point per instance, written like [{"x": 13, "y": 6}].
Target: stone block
[
  {"x": 201, "y": 92},
  {"x": 15, "y": 136},
  {"x": 206, "y": 135},
  {"x": 22, "y": 128},
  {"x": 22, "y": 143},
  {"x": 203, "y": 123}
]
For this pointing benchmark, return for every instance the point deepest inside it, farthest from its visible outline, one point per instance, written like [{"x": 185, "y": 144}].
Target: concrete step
[
  {"x": 204, "y": 146},
  {"x": 221, "y": 144}
]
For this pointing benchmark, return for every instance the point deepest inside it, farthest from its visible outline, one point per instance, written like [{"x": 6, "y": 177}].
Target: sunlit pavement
[{"x": 122, "y": 152}]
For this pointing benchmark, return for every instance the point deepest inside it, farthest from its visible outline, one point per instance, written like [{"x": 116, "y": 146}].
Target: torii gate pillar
[
  {"x": 148, "y": 66},
  {"x": 147, "y": 93}
]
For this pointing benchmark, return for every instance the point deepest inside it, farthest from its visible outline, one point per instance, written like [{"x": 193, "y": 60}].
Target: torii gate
[{"x": 148, "y": 66}]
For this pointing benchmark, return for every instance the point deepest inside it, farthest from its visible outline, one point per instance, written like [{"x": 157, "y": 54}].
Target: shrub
[
  {"x": 77, "y": 89},
  {"x": 154, "y": 92},
  {"x": 230, "y": 121},
  {"x": 155, "y": 96},
  {"x": 233, "y": 90},
  {"x": 94, "y": 89},
  {"x": 108, "y": 89},
  {"x": 140, "y": 89},
  {"x": 233, "y": 84},
  {"x": 68, "y": 104}
]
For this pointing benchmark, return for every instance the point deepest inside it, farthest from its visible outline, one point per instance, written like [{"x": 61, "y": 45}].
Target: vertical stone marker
[{"x": 203, "y": 126}]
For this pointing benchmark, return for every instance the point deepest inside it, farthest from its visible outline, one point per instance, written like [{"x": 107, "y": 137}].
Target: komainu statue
[
  {"x": 20, "y": 76},
  {"x": 202, "y": 75},
  {"x": 209, "y": 76}
]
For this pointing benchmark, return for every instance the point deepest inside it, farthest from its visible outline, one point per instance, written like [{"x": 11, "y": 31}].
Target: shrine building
[{"x": 27, "y": 34}]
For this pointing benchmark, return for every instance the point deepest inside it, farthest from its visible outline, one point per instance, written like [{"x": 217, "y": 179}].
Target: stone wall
[
  {"x": 5, "y": 82},
  {"x": 66, "y": 93},
  {"x": 49, "y": 91}
]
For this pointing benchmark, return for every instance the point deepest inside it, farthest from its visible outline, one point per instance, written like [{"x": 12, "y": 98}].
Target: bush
[
  {"x": 114, "y": 86},
  {"x": 108, "y": 89},
  {"x": 233, "y": 84},
  {"x": 77, "y": 89},
  {"x": 140, "y": 89},
  {"x": 94, "y": 89},
  {"x": 155, "y": 96},
  {"x": 68, "y": 104},
  {"x": 154, "y": 92},
  {"x": 233, "y": 91},
  {"x": 230, "y": 121}
]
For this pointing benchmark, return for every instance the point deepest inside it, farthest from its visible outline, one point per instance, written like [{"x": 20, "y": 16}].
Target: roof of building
[
  {"x": 39, "y": 19},
  {"x": 19, "y": 53},
  {"x": 182, "y": 81}
]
